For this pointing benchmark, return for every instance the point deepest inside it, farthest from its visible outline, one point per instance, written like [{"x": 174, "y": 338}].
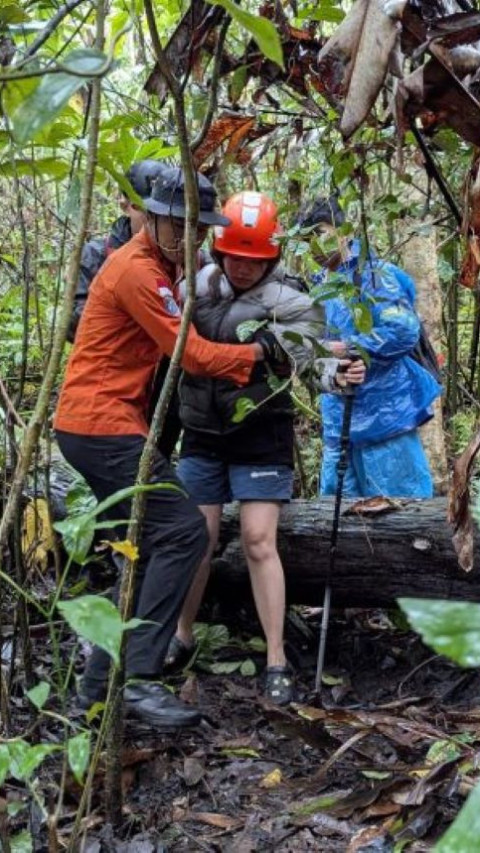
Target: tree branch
[
  {"x": 212, "y": 106},
  {"x": 113, "y": 783},
  {"x": 53, "y": 23}
]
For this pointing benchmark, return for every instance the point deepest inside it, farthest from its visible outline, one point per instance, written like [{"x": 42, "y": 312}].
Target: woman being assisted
[{"x": 225, "y": 458}]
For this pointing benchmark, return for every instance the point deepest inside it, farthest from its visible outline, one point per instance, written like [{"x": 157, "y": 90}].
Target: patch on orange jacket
[{"x": 166, "y": 296}]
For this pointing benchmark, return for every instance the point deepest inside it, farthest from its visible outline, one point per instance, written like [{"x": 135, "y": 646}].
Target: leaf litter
[{"x": 375, "y": 770}]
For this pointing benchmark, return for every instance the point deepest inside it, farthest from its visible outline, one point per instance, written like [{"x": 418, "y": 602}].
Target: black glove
[{"x": 274, "y": 354}]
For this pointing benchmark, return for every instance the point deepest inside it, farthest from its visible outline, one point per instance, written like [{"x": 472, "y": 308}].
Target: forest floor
[{"x": 382, "y": 764}]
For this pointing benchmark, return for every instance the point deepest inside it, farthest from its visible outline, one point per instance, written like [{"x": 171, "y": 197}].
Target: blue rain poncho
[{"x": 398, "y": 393}]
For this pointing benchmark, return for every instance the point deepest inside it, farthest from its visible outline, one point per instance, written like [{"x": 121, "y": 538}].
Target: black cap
[
  {"x": 168, "y": 197},
  {"x": 143, "y": 174},
  {"x": 323, "y": 209}
]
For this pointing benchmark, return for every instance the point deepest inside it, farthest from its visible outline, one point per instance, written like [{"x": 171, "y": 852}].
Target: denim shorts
[{"x": 211, "y": 481}]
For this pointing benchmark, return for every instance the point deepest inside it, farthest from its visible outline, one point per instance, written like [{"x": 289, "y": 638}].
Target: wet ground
[{"x": 382, "y": 764}]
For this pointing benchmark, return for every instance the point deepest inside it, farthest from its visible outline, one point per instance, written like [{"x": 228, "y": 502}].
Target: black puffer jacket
[{"x": 94, "y": 254}]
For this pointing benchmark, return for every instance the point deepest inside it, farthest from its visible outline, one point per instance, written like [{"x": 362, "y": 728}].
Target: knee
[{"x": 258, "y": 545}]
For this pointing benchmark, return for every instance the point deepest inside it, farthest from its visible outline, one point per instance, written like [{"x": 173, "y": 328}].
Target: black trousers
[{"x": 173, "y": 542}]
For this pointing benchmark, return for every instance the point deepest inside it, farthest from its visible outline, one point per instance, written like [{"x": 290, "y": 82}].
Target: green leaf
[
  {"x": 24, "y": 759},
  {"x": 78, "y": 750},
  {"x": 53, "y": 93},
  {"x": 257, "y": 644},
  {"x": 14, "y": 807},
  {"x": 49, "y": 167},
  {"x": 80, "y": 498},
  {"x": 343, "y": 164},
  {"x": 248, "y": 667},
  {"x": 237, "y": 83},
  {"x": 326, "y": 11},
  {"x": 55, "y": 134},
  {"x": 240, "y": 752},
  {"x": 243, "y": 406},
  {"x": 39, "y": 694},
  {"x": 11, "y": 13},
  {"x": 261, "y": 29},
  {"x": 362, "y": 317},
  {"x": 225, "y": 667},
  {"x": 247, "y": 329},
  {"x": 331, "y": 680},
  {"x": 452, "y": 628},
  {"x": 4, "y": 762},
  {"x": 71, "y": 202},
  {"x": 441, "y": 751},
  {"x": 96, "y": 710},
  {"x": 155, "y": 149},
  {"x": 463, "y": 834},
  {"x": 97, "y": 620},
  {"x": 21, "y": 843},
  {"x": 294, "y": 337},
  {"x": 78, "y": 531}
]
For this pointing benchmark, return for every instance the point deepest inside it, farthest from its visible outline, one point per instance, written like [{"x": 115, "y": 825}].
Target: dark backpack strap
[{"x": 424, "y": 354}]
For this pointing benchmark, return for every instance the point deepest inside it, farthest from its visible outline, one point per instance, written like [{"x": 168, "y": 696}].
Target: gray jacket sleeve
[
  {"x": 93, "y": 255},
  {"x": 298, "y": 323}
]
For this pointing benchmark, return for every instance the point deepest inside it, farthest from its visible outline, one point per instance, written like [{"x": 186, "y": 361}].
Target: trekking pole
[{"x": 341, "y": 471}]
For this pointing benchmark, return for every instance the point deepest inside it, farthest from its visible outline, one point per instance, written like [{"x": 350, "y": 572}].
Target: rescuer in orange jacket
[{"x": 130, "y": 320}]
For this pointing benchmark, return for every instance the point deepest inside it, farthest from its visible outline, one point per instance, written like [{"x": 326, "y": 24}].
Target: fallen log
[{"x": 404, "y": 552}]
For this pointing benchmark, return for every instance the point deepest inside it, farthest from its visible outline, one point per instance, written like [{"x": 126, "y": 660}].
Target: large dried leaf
[
  {"x": 459, "y": 504},
  {"x": 459, "y": 28},
  {"x": 356, "y": 59},
  {"x": 438, "y": 96},
  {"x": 37, "y": 534},
  {"x": 471, "y": 261},
  {"x": 221, "y": 821},
  {"x": 185, "y": 44},
  {"x": 441, "y": 91},
  {"x": 300, "y": 51},
  {"x": 373, "y": 506},
  {"x": 237, "y": 130}
]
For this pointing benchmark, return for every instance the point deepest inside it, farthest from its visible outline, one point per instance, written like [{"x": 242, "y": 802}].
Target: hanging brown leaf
[
  {"x": 355, "y": 60},
  {"x": 238, "y": 136},
  {"x": 238, "y": 131},
  {"x": 185, "y": 44},
  {"x": 459, "y": 504},
  {"x": 439, "y": 97},
  {"x": 471, "y": 262},
  {"x": 459, "y": 28},
  {"x": 300, "y": 50},
  {"x": 228, "y": 125},
  {"x": 442, "y": 91}
]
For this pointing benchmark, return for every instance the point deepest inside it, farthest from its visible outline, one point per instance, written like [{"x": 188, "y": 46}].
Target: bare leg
[
  {"x": 259, "y": 539},
  {"x": 191, "y": 605}
]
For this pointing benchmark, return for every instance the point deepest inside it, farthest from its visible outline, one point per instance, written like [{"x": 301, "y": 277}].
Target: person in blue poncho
[{"x": 386, "y": 456}]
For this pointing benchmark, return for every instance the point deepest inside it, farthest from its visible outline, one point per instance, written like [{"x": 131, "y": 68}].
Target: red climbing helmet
[{"x": 254, "y": 226}]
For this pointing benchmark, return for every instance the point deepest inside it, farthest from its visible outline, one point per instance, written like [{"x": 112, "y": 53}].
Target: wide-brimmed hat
[
  {"x": 143, "y": 174},
  {"x": 168, "y": 197}
]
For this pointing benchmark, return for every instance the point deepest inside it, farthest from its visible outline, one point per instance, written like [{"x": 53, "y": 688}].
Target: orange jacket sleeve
[{"x": 149, "y": 300}]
